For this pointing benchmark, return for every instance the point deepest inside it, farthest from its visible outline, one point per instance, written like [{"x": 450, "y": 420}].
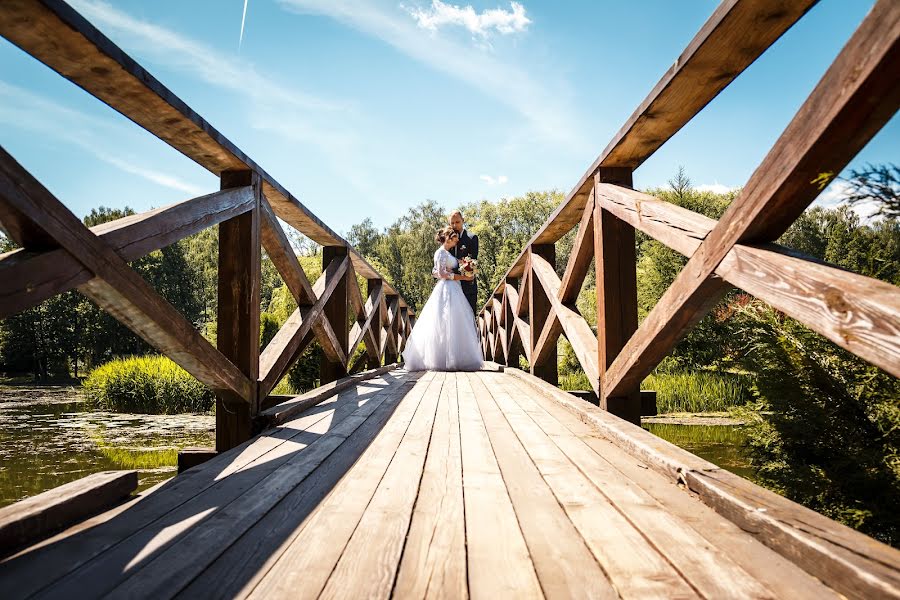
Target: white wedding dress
[{"x": 444, "y": 337}]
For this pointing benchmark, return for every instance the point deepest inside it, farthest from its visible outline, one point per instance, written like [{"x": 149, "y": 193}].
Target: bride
[{"x": 444, "y": 337}]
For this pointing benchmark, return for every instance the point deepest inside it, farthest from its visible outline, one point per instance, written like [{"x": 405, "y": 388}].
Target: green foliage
[
  {"x": 268, "y": 327},
  {"x": 826, "y": 431},
  {"x": 698, "y": 391},
  {"x": 146, "y": 384}
]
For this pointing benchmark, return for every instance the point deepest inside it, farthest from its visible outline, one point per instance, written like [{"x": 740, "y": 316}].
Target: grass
[
  {"x": 688, "y": 391},
  {"x": 698, "y": 391},
  {"x": 146, "y": 384}
]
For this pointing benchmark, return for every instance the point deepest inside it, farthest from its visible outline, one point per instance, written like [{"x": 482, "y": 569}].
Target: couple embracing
[{"x": 445, "y": 338}]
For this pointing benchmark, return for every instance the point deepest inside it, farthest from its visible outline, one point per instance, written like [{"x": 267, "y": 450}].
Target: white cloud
[
  {"x": 481, "y": 24},
  {"x": 715, "y": 188},
  {"x": 25, "y": 110},
  {"x": 834, "y": 196},
  {"x": 541, "y": 104},
  {"x": 499, "y": 180}
]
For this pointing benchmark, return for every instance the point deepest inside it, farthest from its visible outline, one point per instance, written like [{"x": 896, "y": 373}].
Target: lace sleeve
[{"x": 440, "y": 270}]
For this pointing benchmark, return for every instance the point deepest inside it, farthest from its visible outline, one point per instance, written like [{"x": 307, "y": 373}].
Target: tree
[
  {"x": 364, "y": 237},
  {"x": 876, "y": 183},
  {"x": 681, "y": 183}
]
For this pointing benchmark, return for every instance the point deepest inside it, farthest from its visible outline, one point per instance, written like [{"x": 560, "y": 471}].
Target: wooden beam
[
  {"x": 27, "y": 278},
  {"x": 521, "y": 327},
  {"x": 581, "y": 256},
  {"x": 55, "y": 34},
  {"x": 569, "y": 320},
  {"x": 616, "y": 288},
  {"x": 734, "y": 36},
  {"x": 853, "y": 100},
  {"x": 284, "y": 348},
  {"x": 540, "y": 311},
  {"x": 117, "y": 288},
  {"x": 280, "y": 251},
  {"x": 237, "y": 331},
  {"x": 392, "y": 352},
  {"x": 36, "y": 517},
  {"x": 858, "y": 313},
  {"x": 375, "y": 292},
  {"x": 335, "y": 314}
]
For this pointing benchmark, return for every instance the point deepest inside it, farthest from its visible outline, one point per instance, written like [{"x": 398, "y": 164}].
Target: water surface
[
  {"x": 722, "y": 445},
  {"x": 48, "y": 437}
]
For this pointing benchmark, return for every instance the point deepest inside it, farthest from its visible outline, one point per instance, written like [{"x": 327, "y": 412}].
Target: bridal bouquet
[{"x": 467, "y": 265}]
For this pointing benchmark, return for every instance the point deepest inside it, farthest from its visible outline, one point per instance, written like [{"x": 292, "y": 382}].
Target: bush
[
  {"x": 146, "y": 384},
  {"x": 698, "y": 391}
]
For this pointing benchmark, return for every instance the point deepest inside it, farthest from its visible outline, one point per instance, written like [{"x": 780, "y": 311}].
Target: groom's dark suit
[{"x": 467, "y": 246}]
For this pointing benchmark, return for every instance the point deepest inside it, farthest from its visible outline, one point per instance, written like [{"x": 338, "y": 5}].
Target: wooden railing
[
  {"x": 532, "y": 306},
  {"x": 59, "y": 253}
]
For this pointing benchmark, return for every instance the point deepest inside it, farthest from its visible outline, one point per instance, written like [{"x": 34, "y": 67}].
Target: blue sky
[{"x": 365, "y": 108}]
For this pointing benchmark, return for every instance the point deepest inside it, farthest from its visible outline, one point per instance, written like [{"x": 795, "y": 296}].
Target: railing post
[
  {"x": 390, "y": 353},
  {"x": 237, "y": 327},
  {"x": 617, "y": 315},
  {"x": 373, "y": 291},
  {"x": 338, "y": 316},
  {"x": 540, "y": 308}
]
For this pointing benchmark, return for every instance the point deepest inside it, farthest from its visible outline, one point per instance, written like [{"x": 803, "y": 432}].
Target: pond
[
  {"x": 48, "y": 437},
  {"x": 722, "y": 445}
]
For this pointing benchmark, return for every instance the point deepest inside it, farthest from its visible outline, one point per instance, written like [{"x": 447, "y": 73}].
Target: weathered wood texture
[
  {"x": 470, "y": 485},
  {"x": 55, "y": 34},
  {"x": 31, "y": 519},
  {"x": 854, "y": 99},
  {"x": 237, "y": 333},
  {"x": 115, "y": 286}
]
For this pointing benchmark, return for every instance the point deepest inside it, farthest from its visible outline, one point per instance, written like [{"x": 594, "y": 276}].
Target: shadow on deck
[{"x": 449, "y": 484}]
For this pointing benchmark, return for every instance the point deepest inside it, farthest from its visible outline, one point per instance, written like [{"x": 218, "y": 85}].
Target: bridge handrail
[
  {"x": 531, "y": 307},
  {"x": 58, "y": 253}
]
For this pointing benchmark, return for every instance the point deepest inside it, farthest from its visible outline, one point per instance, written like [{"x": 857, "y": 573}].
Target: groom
[{"x": 467, "y": 246}]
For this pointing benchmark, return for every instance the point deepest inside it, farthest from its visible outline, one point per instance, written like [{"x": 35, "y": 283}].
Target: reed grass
[
  {"x": 146, "y": 384},
  {"x": 698, "y": 391}
]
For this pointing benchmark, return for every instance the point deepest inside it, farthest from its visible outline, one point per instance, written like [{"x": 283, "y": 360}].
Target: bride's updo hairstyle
[{"x": 443, "y": 234}]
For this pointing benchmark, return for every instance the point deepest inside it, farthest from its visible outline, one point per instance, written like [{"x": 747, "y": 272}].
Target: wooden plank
[
  {"x": 499, "y": 564},
  {"x": 858, "y": 313},
  {"x": 773, "y": 571},
  {"x": 240, "y": 568},
  {"x": 28, "y": 520},
  {"x": 633, "y": 565},
  {"x": 211, "y": 513},
  {"x": 855, "y": 97},
  {"x": 116, "y": 287},
  {"x": 28, "y": 278},
  {"x": 701, "y": 565},
  {"x": 280, "y": 353},
  {"x": 850, "y": 562},
  {"x": 237, "y": 333},
  {"x": 28, "y": 573},
  {"x": 434, "y": 556},
  {"x": 285, "y": 411},
  {"x": 386, "y": 520},
  {"x": 304, "y": 566},
  {"x": 565, "y": 566},
  {"x": 175, "y": 567}
]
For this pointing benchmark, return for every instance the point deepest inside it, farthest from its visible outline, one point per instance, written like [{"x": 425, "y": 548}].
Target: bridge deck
[{"x": 413, "y": 485}]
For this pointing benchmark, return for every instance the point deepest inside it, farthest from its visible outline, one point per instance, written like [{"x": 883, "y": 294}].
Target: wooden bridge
[{"x": 490, "y": 484}]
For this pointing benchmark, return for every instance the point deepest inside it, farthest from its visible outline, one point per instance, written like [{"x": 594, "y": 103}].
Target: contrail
[{"x": 243, "y": 20}]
